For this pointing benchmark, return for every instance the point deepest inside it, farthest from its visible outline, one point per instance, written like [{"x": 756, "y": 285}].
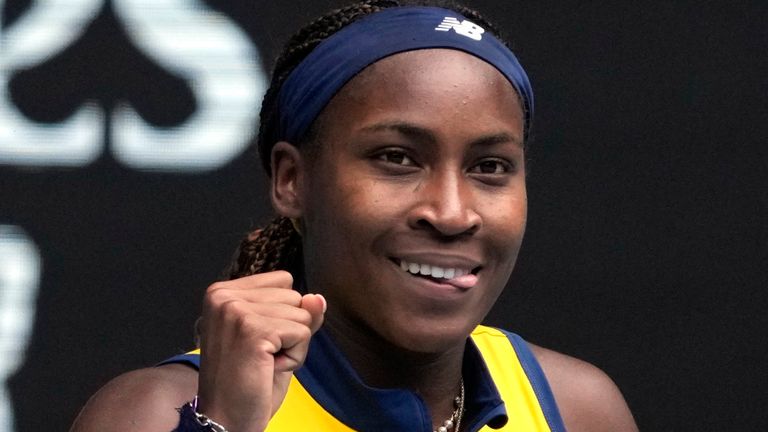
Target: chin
[{"x": 428, "y": 336}]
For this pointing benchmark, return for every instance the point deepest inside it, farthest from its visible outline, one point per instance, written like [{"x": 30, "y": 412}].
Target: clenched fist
[{"x": 255, "y": 332}]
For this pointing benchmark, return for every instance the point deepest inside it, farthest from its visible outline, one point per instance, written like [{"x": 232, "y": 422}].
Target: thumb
[{"x": 316, "y": 305}]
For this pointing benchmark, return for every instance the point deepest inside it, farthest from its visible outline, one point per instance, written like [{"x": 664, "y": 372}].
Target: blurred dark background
[{"x": 646, "y": 249}]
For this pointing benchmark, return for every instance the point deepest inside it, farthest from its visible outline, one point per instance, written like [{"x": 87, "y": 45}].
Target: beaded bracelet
[{"x": 192, "y": 421}]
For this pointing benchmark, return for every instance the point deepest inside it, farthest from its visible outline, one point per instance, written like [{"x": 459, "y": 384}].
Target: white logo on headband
[{"x": 465, "y": 28}]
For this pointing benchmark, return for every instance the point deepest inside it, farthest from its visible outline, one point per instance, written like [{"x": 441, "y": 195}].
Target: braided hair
[{"x": 277, "y": 246}]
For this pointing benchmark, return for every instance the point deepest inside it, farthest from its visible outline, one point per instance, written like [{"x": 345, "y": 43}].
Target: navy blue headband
[{"x": 340, "y": 57}]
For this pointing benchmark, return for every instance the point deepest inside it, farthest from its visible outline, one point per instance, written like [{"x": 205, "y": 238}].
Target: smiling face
[{"x": 418, "y": 179}]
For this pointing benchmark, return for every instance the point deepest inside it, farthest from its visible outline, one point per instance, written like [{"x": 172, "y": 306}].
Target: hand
[{"x": 255, "y": 332}]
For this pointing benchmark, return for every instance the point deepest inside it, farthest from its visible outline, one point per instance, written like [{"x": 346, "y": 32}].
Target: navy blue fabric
[
  {"x": 330, "y": 379},
  {"x": 538, "y": 381},
  {"x": 192, "y": 360},
  {"x": 483, "y": 403},
  {"x": 337, "y": 59}
]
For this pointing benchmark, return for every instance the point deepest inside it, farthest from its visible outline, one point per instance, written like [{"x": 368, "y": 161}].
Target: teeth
[
  {"x": 434, "y": 271},
  {"x": 426, "y": 270}
]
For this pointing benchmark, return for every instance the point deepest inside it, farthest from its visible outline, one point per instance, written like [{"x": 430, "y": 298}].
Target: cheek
[
  {"x": 343, "y": 211},
  {"x": 507, "y": 211},
  {"x": 505, "y": 223}
]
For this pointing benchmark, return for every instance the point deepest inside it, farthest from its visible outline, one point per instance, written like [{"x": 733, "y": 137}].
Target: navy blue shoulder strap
[
  {"x": 538, "y": 381},
  {"x": 188, "y": 359}
]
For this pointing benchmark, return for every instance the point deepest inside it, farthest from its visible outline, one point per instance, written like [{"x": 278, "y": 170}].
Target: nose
[{"x": 445, "y": 204}]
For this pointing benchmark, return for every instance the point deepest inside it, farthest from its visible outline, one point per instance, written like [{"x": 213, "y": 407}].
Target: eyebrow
[{"x": 421, "y": 134}]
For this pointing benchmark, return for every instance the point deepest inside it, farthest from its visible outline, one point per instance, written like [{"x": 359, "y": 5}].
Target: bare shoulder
[
  {"x": 588, "y": 399},
  {"x": 140, "y": 400}
]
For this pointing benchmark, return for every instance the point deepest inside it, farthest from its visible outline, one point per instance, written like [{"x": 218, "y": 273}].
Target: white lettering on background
[
  {"x": 183, "y": 36},
  {"x": 20, "y": 269},
  {"x": 47, "y": 28},
  {"x": 223, "y": 69}
]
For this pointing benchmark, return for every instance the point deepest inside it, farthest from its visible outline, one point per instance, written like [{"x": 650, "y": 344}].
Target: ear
[{"x": 287, "y": 180}]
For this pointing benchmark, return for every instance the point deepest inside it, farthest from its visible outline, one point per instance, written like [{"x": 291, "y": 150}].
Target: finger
[
  {"x": 221, "y": 296},
  {"x": 316, "y": 305},
  {"x": 274, "y": 279},
  {"x": 225, "y": 311},
  {"x": 282, "y": 312},
  {"x": 294, "y": 340}
]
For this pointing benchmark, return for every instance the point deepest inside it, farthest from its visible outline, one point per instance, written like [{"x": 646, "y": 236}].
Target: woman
[{"x": 396, "y": 155}]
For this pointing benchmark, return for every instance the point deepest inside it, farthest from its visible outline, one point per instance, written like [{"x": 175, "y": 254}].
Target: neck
[{"x": 435, "y": 377}]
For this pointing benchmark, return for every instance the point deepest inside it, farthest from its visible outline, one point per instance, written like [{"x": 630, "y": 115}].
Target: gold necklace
[{"x": 454, "y": 422}]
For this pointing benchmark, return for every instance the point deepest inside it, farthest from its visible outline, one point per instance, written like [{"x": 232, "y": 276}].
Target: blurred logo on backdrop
[
  {"x": 158, "y": 85},
  {"x": 20, "y": 269},
  {"x": 167, "y": 85}
]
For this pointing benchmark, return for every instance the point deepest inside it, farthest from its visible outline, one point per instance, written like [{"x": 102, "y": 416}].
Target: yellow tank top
[{"x": 506, "y": 391}]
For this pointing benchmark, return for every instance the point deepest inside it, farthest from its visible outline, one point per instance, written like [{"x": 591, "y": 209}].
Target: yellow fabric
[
  {"x": 300, "y": 412},
  {"x": 522, "y": 406}
]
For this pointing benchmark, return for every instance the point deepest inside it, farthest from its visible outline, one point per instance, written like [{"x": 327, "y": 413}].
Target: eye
[
  {"x": 492, "y": 166},
  {"x": 396, "y": 157}
]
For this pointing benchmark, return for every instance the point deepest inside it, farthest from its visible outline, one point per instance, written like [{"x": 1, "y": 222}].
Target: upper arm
[
  {"x": 587, "y": 398},
  {"x": 141, "y": 400}
]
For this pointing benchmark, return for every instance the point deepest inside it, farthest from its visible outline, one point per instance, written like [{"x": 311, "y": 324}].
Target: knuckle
[
  {"x": 216, "y": 286},
  {"x": 232, "y": 308},
  {"x": 216, "y": 297},
  {"x": 304, "y": 333},
  {"x": 284, "y": 275},
  {"x": 304, "y": 317},
  {"x": 294, "y": 297},
  {"x": 268, "y": 343},
  {"x": 247, "y": 324},
  {"x": 277, "y": 278}
]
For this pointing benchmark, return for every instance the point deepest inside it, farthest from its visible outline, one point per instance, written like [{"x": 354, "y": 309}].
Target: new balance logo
[{"x": 465, "y": 28}]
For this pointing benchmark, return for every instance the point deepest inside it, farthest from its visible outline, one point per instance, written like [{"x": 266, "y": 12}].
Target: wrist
[{"x": 190, "y": 420}]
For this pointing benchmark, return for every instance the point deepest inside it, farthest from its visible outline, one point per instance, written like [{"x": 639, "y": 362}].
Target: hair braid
[{"x": 274, "y": 247}]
